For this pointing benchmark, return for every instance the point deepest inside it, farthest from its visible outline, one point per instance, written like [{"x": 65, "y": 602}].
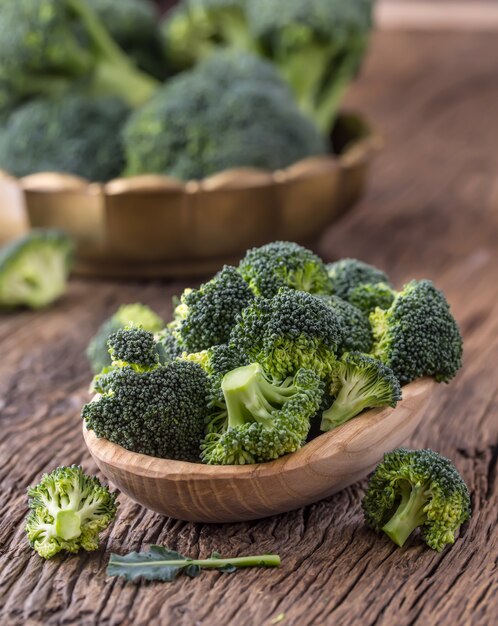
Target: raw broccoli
[
  {"x": 205, "y": 316},
  {"x": 368, "y": 296},
  {"x": 68, "y": 512},
  {"x": 266, "y": 419},
  {"x": 197, "y": 125},
  {"x": 76, "y": 134},
  {"x": 47, "y": 44},
  {"x": 138, "y": 314},
  {"x": 318, "y": 45},
  {"x": 418, "y": 336},
  {"x": 284, "y": 264},
  {"x": 159, "y": 412},
  {"x": 357, "y": 332},
  {"x": 359, "y": 382},
  {"x": 293, "y": 330},
  {"x": 347, "y": 274},
  {"x": 167, "y": 346},
  {"x": 135, "y": 347},
  {"x": 417, "y": 489},
  {"x": 34, "y": 269}
]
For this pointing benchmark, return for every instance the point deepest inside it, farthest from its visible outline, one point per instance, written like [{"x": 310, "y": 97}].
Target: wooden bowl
[{"x": 208, "y": 493}]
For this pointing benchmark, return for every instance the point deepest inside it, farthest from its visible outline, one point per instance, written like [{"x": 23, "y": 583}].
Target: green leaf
[{"x": 157, "y": 563}]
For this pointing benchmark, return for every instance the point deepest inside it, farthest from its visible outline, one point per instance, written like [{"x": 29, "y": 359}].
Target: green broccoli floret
[
  {"x": 205, "y": 316},
  {"x": 291, "y": 331},
  {"x": 284, "y": 264},
  {"x": 347, "y": 274},
  {"x": 47, "y": 44},
  {"x": 417, "y": 489},
  {"x": 167, "y": 345},
  {"x": 135, "y": 347},
  {"x": 266, "y": 419},
  {"x": 418, "y": 336},
  {"x": 358, "y": 382},
  {"x": 357, "y": 332},
  {"x": 34, "y": 269},
  {"x": 368, "y": 296},
  {"x": 76, "y": 134},
  {"x": 138, "y": 314},
  {"x": 68, "y": 512},
  {"x": 196, "y": 126}
]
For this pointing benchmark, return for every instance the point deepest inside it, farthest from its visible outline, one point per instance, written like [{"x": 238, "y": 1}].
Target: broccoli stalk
[{"x": 410, "y": 513}]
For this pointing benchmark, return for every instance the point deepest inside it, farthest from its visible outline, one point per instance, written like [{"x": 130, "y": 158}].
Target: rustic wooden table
[{"x": 432, "y": 210}]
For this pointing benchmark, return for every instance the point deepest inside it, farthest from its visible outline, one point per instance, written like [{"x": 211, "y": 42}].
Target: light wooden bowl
[{"x": 207, "y": 493}]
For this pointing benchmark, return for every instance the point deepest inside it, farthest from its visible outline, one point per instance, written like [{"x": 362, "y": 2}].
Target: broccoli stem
[
  {"x": 351, "y": 400},
  {"x": 68, "y": 525},
  {"x": 409, "y": 514},
  {"x": 265, "y": 560}
]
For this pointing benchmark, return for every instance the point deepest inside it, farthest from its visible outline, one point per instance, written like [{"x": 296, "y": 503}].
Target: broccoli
[
  {"x": 293, "y": 330},
  {"x": 158, "y": 410},
  {"x": 357, "y": 332},
  {"x": 418, "y": 336},
  {"x": 417, "y": 489},
  {"x": 347, "y": 274},
  {"x": 45, "y": 45},
  {"x": 76, "y": 134},
  {"x": 266, "y": 419},
  {"x": 358, "y": 382},
  {"x": 205, "y": 316},
  {"x": 139, "y": 314},
  {"x": 284, "y": 264},
  {"x": 68, "y": 512},
  {"x": 34, "y": 269},
  {"x": 368, "y": 296},
  {"x": 318, "y": 46},
  {"x": 197, "y": 125},
  {"x": 167, "y": 346}
]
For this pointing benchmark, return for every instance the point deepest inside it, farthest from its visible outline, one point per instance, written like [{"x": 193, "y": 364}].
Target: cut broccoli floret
[
  {"x": 417, "y": 489},
  {"x": 34, "y": 269},
  {"x": 347, "y": 274},
  {"x": 357, "y": 332},
  {"x": 418, "y": 336},
  {"x": 135, "y": 347},
  {"x": 368, "y": 296},
  {"x": 358, "y": 382},
  {"x": 284, "y": 264},
  {"x": 68, "y": 512},
  {"x": 265, "y": 419}
]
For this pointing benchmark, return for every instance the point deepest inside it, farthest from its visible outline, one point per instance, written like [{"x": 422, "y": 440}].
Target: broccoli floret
[
  {"x": 293, "y": 330},
  {"x": 205, "y": 316},
  {"x": 195, "y": 126},
  {"x": 368, "y": 296},
  {"x": 167, "y": 345},
  {"x": 68, "y": 512},
  {"x": 284, "y": 264},
  {"x": 34, "y": 269},
  {"x": 358, "y": 382},
  {"x": 76, "y": 134},
  {"x": 46, "y": 44},
  {"x": 347, "y": 274},
  {"x": 266, "y": 419},
  {"x": 418, "y": 336},
  {"x": 417, "y": 489},
  {"x": 138, "y": 314},
  {"x": 135, "y": 347},
  {"x": 357, "y": 332}
]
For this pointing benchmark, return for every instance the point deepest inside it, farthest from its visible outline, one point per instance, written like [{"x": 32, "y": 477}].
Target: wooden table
[{"x": 432, "y": 211}]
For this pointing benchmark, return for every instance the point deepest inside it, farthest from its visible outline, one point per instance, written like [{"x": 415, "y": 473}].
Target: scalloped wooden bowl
[
  {"x": 160, "y": 226},
  {"x": 208, "y": 493}
]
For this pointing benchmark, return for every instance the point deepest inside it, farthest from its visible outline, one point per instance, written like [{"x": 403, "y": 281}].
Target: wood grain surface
[{"x": 432, "y": 211}]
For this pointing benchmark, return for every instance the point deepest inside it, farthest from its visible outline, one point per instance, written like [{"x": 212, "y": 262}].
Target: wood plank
[{"x": 439, "y": 15}]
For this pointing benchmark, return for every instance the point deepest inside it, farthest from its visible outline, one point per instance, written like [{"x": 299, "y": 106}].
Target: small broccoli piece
[
  {"x": 418, "y": 336},
  {"x": 359, "y": 382},
  {"x": 368, "y": 296},
  {"x": 34, "y": 269},
  {"x": 68, "y": 512},
  {"x": 357, "y": 332},
  {"x": 135, "y": 347},
  {"x": 205, "y": 316},
  {"x": 347, "y": 274},
  {"x": 167, "y": 346},
  {"x": 266, "y": 419},
  {"x": 291, "y": 331},
  {"x": 284, "y": 264},
  {"x": 417, "y": 489},
  {"x": 138, "y": 314}
]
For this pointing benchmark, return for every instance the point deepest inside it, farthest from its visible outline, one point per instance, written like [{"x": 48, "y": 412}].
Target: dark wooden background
[{"x": 431, "y": 211}]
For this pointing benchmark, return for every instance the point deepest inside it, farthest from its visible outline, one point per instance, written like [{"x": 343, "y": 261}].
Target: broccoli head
[
  {"x": 368, "y": 296},
  {"x": 418, "y": 336},
  {"x": 357, "y": 332},
  {"x": 358, "y": 382},
  {"x": 167, "y": 346},
  {"x": 34, "y": 269},
  {"x": 135, "y": 347},
  {"x": 347, "y": 274},
  {"x": 68, "y": 512},
  {"x": 417, "y": 489},
  {"x": 265, "y": 419}
]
